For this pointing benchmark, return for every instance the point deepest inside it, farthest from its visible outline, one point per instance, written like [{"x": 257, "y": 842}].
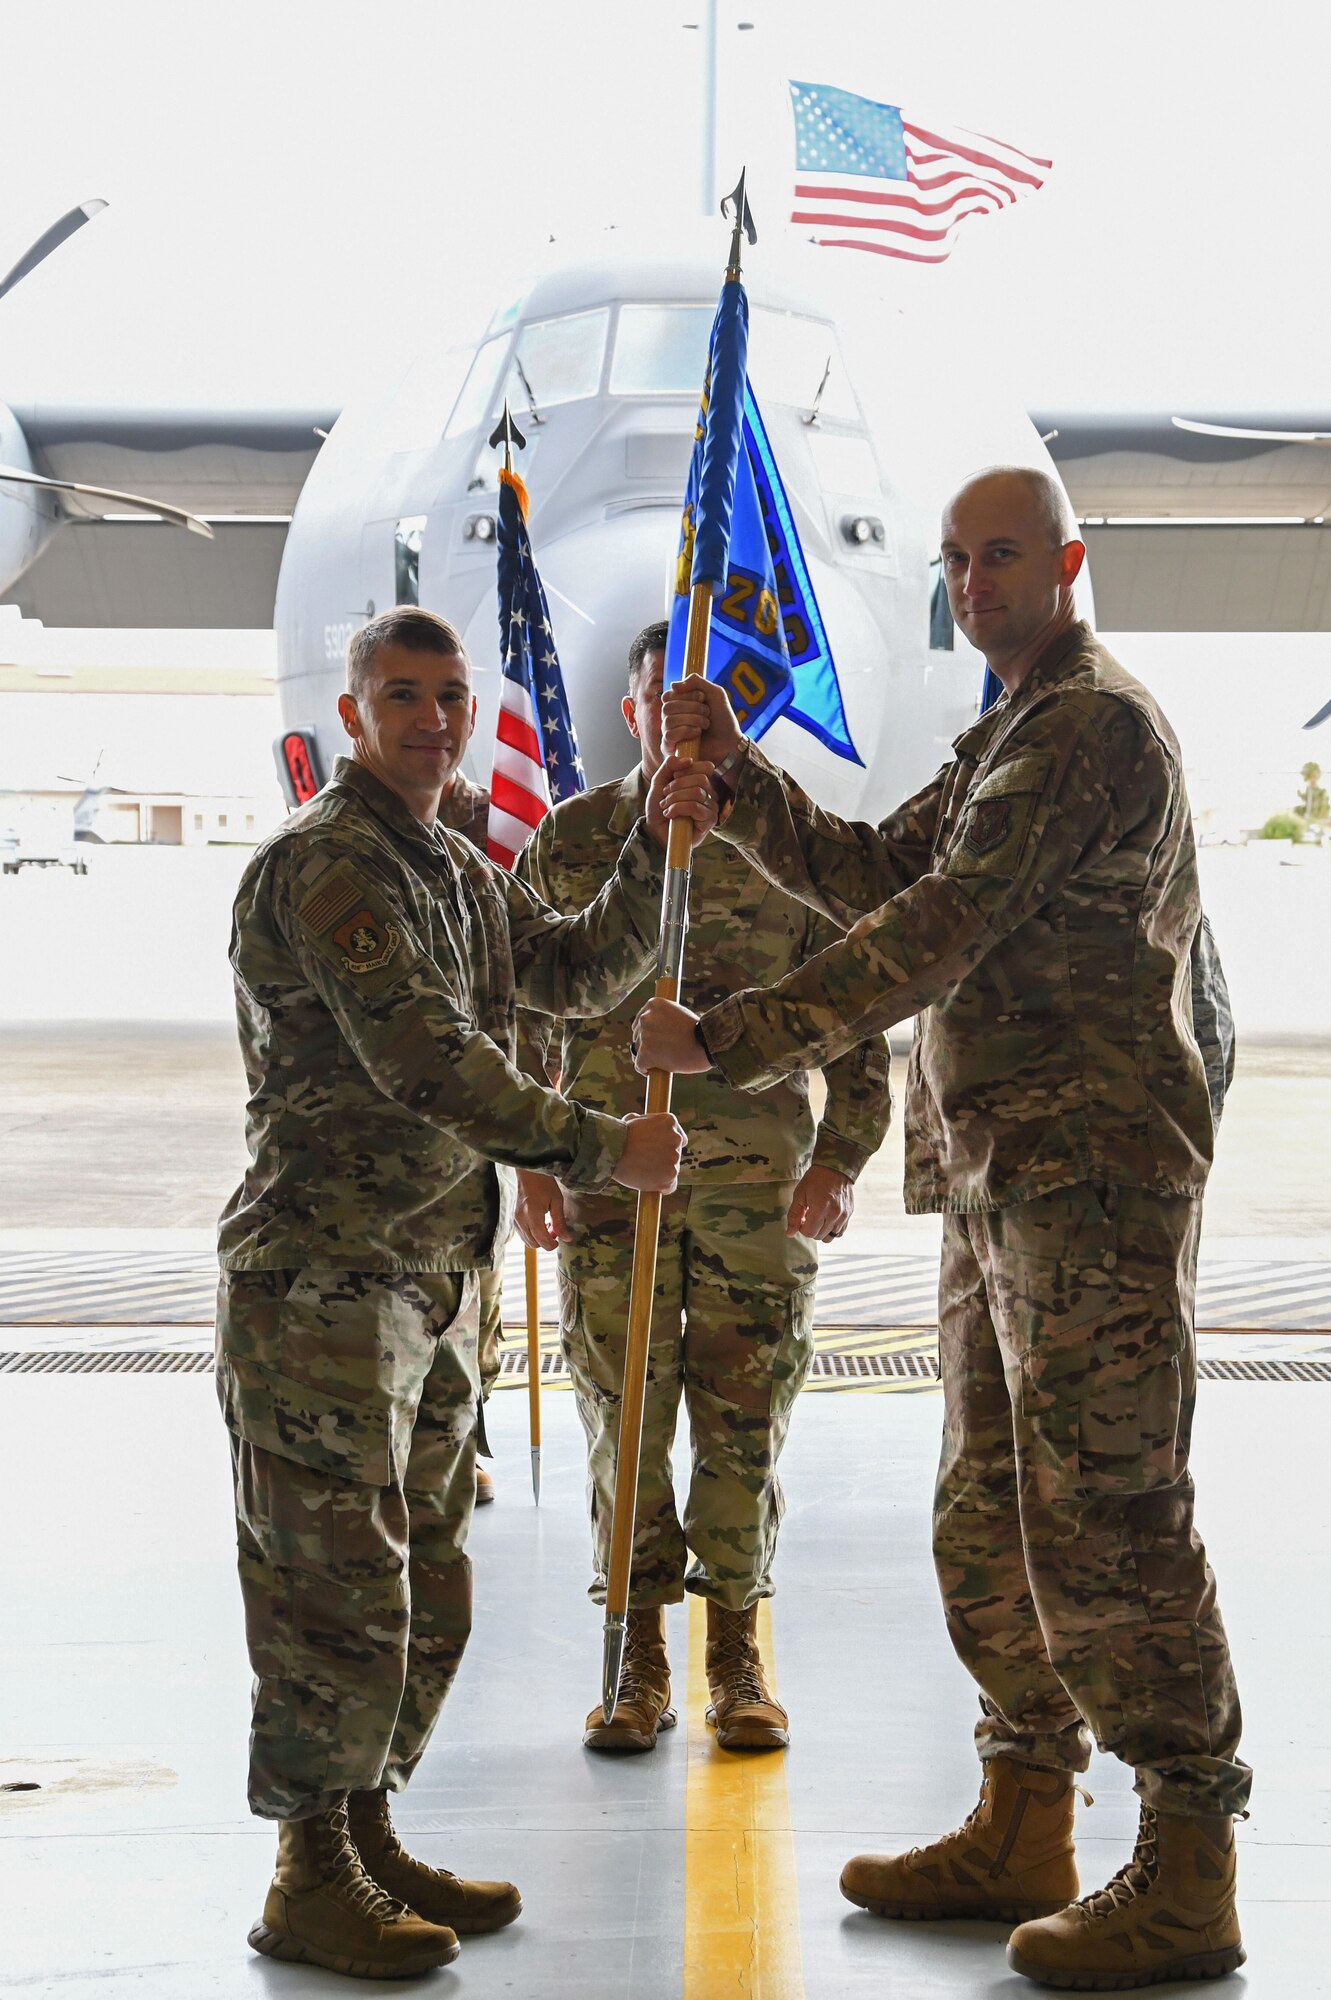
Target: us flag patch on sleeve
[{"x": 345, "y": 913}]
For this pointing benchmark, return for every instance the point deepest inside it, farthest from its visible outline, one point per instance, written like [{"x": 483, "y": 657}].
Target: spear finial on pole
[
  {"x": 735, "y": 206},
  {"x": 507, "y": 433}
]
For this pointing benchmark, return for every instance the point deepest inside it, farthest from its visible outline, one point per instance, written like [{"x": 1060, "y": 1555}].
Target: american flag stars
[{"x": 536, "y": 760}]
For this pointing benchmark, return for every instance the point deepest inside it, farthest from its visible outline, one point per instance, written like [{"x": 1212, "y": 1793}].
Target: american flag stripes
[
  {"x": 868, "y": 178},
  {"x": 536, "y": 759}
]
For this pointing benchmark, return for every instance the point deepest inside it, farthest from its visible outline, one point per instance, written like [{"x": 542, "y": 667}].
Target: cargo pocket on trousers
[
  {"x": 585, "y": 1363},
  {"x": 294, "y": 1421},
  {"x": 1135, "y": 1415}
]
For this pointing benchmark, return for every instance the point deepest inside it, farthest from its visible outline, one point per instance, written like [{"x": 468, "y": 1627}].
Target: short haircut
[
  {"x": 405, "y": 625},
  {"x": 651, "y": 639},
  {"x": 1047, "y": 492}
]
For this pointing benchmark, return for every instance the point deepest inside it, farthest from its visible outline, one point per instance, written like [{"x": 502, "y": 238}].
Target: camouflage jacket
[
  {"x": 465, "y": 809},
  {"x": 378, "y": 964},
  {"x": 1036, "y": 907},
  {"x": 741, "y": 929}
]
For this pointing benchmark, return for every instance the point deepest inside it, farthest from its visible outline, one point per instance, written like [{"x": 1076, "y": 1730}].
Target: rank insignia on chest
[
  {"x": 365, "y": 942},
  {"x": 987, "y": 826}
]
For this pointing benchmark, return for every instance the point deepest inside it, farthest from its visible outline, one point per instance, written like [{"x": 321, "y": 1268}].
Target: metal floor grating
[
  {"x": 831, "y": 1366},
  {"x": 856, "y": 1288}
]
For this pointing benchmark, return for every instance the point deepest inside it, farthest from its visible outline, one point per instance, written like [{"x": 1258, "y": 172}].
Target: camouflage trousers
[
  {"x": 1076, "y": 1590},
  {"x": 732, "y": 1332},
  {"x": 490, "y": 1334},
  {"x": 353, "y": 1400}
]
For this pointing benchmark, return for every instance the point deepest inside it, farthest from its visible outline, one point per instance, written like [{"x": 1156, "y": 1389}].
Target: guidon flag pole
[{"x": 705, "y": 549}]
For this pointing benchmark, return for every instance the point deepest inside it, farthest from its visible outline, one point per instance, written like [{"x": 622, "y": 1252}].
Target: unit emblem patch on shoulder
[
  {"x": 987, "y": 826},
  {"x": 365, "y": 941}
]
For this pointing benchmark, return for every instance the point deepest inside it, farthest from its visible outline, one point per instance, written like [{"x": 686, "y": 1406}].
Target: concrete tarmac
[{"x": 135, "y": 1869}]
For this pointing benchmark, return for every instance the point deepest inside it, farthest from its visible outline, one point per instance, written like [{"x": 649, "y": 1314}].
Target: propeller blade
[
  {"x": 38, "y": 252},
  {"x": 1237, "y": 431},
  {"x": 1322, "y": 715},
  {"x": 136, "y": 502}
]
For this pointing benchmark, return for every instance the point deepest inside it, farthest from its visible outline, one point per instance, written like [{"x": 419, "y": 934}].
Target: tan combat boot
[
  {"x": 1012, "y": 1858},
  {"x": 1168, "y": 1915},
  {"x": 323, "y": 1909},
  {"x": 441, "y": 1898},
  {"x": 485, "y": 1486},
  {"x": 644, "y": 1689},
  {"x": 742, "y": 1710}
]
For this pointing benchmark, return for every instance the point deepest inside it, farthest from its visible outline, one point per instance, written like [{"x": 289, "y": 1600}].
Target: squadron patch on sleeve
[
  {"x": 366, "y": 942},
  {"x": 997, "y": 817},
  {"x": 351, "y": 924},
  {"x": 987, "y": 825}
]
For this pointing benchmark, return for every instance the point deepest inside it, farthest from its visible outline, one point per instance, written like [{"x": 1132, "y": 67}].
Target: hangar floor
[{"x": 134, "y": 1868}]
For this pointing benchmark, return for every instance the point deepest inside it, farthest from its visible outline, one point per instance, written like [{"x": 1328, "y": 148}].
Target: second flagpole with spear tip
[
  {"x": 706, "y": 542},
  {"x": 508, "y": 435},
  {"x": 522, "y": 608}
]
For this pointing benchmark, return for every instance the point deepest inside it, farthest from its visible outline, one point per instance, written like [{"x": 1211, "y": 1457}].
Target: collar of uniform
[
  {"x": 631, "y": 802},
  {"x": 383, "y": 802},
  {"x": 1061, "y": 656}
]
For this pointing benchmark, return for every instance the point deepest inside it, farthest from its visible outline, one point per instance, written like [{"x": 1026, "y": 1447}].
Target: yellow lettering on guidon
[{"x": 747, "y": 682}]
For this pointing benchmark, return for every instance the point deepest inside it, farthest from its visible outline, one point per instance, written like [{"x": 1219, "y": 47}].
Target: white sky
[{"x": 298, "y": 188}]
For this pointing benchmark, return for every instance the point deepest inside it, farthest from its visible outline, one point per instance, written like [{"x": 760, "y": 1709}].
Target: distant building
[{"x": 161, "y": 738}]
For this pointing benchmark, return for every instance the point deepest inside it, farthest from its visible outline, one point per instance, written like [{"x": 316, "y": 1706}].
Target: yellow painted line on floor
[{"x": 741, "y": 1899}]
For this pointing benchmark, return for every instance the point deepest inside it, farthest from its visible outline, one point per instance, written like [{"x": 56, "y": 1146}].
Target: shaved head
[
  {"x": 1052, "y": 507},
  {"x": 1011, "y": 553}
]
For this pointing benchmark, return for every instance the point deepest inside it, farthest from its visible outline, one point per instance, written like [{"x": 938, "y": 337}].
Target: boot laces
[
  {"x": 343, "y": 1866},
  {"x": 393, "y": 1849},
  {"x": 637, "y": 1678},
  {"x": 1132, "y": 1880},
  {"x": 737, "y": 1661},
  {"x": 971, "y": 1822}
]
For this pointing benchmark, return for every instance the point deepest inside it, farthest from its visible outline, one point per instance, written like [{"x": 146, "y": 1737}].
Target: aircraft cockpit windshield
[
  {"x": 556, "y": 361},
  {"x": 661, "y": 350}
]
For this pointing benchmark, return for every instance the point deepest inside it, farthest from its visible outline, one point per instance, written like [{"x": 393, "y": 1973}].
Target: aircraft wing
[
  {"x": 1122, "y": 464},
  {"x": 240, "y": 469}
]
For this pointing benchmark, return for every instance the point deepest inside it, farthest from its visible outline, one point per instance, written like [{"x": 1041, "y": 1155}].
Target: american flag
[
  {"x": 536, "y": 761},
  {"x": 864, "y": 171}
]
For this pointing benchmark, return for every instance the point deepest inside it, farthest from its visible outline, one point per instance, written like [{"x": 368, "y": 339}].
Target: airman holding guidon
[{"x": 1036, "y": 906}]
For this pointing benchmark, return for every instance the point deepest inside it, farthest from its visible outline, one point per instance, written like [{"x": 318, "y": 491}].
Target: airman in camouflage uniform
[
  {"x": 465, "y": 808},
  {"x": 732, "y": 1320},
  {"x": 1037, "y": 908},
  {"x": 378, "y": 964}
]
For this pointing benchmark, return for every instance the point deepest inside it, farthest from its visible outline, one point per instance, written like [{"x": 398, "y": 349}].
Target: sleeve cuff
[
  {"x": 601, "y": 1142},
  {"x": 843, "y": 1156},
  {"x": 721, "y": 1030},
  {"x": 740, "y": 823}
]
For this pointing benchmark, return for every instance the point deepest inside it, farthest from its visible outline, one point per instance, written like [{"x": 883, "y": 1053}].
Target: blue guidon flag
[
  {"x": 767, "y": 645},
  {"x": 536, "y": 760}
]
